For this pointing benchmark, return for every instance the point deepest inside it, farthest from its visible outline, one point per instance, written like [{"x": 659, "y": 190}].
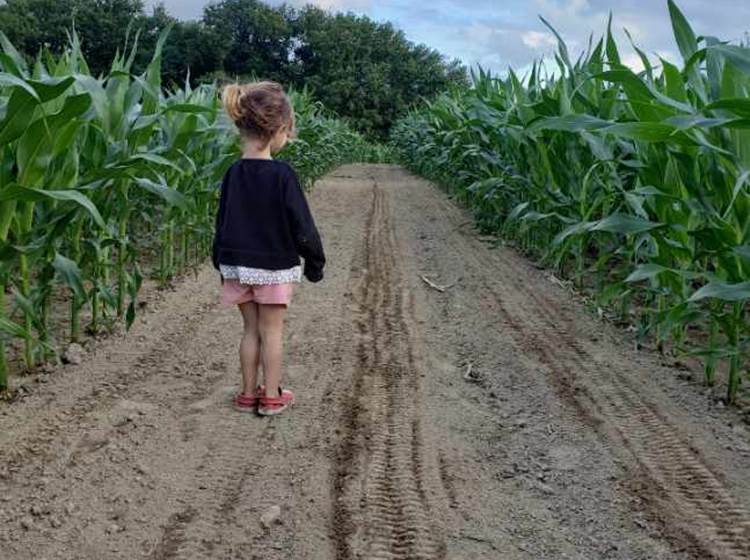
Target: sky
[{"x": 498, "y": 34}]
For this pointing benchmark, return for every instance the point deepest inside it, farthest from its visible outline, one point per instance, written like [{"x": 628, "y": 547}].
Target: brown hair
[{"x": 259, "y": 109}]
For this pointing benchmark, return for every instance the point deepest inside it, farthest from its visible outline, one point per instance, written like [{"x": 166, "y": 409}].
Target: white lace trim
[{"x": 260, "y": 276}]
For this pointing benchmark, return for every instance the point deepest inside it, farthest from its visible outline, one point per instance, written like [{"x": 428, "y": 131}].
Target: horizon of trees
[{"x": 366, "y": 71}]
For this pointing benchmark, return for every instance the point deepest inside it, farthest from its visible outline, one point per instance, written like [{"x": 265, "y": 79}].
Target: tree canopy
[{"x": 364, "y": 70}]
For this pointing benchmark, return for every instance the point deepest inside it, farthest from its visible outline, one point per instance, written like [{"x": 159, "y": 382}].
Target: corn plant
[{"x": 633, "y": 184}]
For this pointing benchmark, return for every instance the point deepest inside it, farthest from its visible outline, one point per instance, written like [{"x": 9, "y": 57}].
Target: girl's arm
[
  {"x": 219, "y": 223},
  {"x": 306, "y": 237}
]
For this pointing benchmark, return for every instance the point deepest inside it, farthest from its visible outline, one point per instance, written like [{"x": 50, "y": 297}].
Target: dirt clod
[
  {"x": 74, "y": 354},
  {"x": 271, "y": 516}
]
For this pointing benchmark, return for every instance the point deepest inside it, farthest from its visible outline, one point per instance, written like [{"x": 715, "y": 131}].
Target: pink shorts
[{"x": 234, "y": 293}]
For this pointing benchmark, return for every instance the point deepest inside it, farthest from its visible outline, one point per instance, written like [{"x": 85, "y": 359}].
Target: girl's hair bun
[
  {"x": 231, "y": 96},
  {"x": 259, "y": 109}
]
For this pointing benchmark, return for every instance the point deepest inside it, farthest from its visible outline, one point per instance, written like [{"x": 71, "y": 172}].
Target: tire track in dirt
[
  {"x": 173, "y": 398},
  {"x": 215, "y": 530},
  {"x": 693, "y": 491},
  {"x": 695, "y": 500},
  {"x": 114, "y": 373},
  {"x": 168, "y": 400},
  {"x": 174, "y": 533},
  {"x": 327, "y": 366},
  {"x": 219, "y": 471},
  {"x": 380, "y": 507},
  {"x": 223, "y": 471},
  {"x": 237, "y": 494}
]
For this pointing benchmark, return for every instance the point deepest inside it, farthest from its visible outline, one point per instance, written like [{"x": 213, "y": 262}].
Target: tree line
[{"x": 364, "y": 70}]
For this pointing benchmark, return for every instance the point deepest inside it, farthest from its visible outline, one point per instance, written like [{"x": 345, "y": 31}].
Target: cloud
[
  {"x": 332, "y": 5},
  {"x": 537, "y": 39},
  {"x": 633, "y": 61},
  {"x": 563, "y": 9}
]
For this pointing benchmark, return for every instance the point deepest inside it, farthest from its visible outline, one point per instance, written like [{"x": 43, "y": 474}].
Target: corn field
[
  {"x": 104, "y": 180},
  {"x": 633, "y": 184}
]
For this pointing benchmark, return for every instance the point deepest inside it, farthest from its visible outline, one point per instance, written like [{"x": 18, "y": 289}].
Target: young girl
[{"x": 263, "y": 226}]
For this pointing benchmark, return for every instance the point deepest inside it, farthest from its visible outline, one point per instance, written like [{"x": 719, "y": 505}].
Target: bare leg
[
  {"x": 249, "y": 348},
  {"x": 271, "y": 327}
]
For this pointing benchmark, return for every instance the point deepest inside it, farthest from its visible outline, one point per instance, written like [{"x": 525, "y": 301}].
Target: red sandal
[
  {"x": 270, "y": 406},
  {"x": 244, "y": 403}
]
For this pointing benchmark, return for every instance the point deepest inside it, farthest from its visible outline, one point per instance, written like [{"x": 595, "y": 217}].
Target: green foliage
[
  {"x": 365, "y": 70},
  {"x": 104, "y": 177},
  {"x": 256, "y": 38},
  {"x": 362, "y": 70},
  {"x": 192, "y": 48},
  {"x": 34, "y": 25},
  {"x": 635, "y": 183}
]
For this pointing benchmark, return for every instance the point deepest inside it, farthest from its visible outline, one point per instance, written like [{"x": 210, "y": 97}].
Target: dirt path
[{"x": 561, "y": 442}]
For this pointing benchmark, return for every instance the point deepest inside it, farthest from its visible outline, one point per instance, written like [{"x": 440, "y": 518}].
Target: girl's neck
[{"x": 252, "y": 151}]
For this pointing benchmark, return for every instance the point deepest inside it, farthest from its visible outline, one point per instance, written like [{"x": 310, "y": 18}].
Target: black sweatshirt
[{"x": 263, "y": 220}]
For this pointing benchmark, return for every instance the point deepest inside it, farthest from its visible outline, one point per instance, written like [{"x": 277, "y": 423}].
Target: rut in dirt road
[
  {"x": 381, "y": 510},
  {"x": 692, "y": 497},
  {"x": 193, "y": 533}
]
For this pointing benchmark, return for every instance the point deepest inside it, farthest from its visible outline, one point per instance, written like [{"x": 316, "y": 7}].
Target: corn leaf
[{"x": 723, "y": 291}]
